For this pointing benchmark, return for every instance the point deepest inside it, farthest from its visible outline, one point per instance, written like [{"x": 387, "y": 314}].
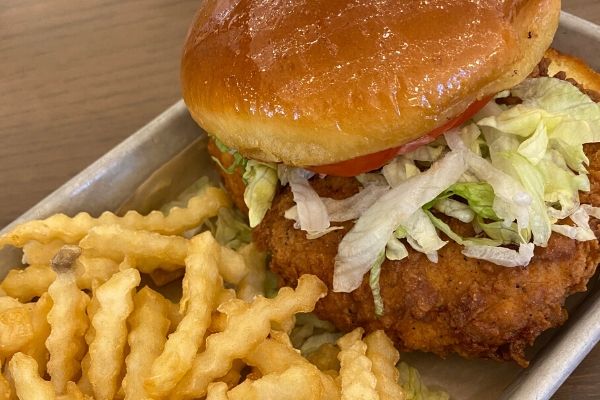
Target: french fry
[
  {"x": 25, "y": 284},
  {"x": 357, "y": 379},
  {"x": 91, "y": 272},
  {"x": 295, "y": 383},
  {"x": 384, "y": 357},
  {"x": 153, "y": 251},
  {"x": 84, "y": 383},
  {"x": 272, "y": 356},
  {"x": 174, "y": 316},
  {"x": 246, "y": 330},
  {"x": 28, "y": 383},
  {"x": 150, "y": 250},
  {"x": 71, "y": 230},
  {"x": 6, "y": 392},
  {"x": 161, "y": 277},
  {"x": 253, "y": 284},
  {"x": 16, "y": 325},
  {"x": 325, "y": 357},
  {"x": 217, "y": 391},
  {"x": 147, "y": 336},
  {"x": 115, "y": 301},
  {"x": 201, "y": 287},
  {"x": 254, "y": 374},
  {"x": 69, "y": 323},
  {"x": 234, "y": 375},
  {"x": 33, "y": 281},
  {"x": 218, "y": 323},
  {"x": 74, "y": 393},
  {"x": 232, "y": 266},
  {"x": 36, "y": 347},
  {"x": 218, "y": 320},
  {"x": 36, "y": 253},
  {"x": 275, "y": 356}
]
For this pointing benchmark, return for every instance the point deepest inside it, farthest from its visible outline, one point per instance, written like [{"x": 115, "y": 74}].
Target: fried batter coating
[{"x": 459, "y": 305}]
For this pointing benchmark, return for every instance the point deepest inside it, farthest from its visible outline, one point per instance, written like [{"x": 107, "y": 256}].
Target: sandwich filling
[{"x": 514, "y": 171}]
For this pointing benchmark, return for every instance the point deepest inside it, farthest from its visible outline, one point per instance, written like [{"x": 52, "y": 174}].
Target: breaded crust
[{"x": 459, "y": 305}]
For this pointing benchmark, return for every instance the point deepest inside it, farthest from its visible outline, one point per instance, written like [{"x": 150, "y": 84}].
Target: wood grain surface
[{"x": 77, "y": 77}]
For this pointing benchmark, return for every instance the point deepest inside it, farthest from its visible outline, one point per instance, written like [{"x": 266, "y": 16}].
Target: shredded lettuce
[
  {"x": 239, "y": 162},
  {"x": 573, "y": 155},
  {"x": 395, "y": 249},
  {"x": 511, "y": 201},
  {"x": 311, "y": 211},
  {"x": 565, "y": 106},
  {"x": 371, "y": 178},
  {"x": 422, "y": 235},
  {"x": 399, "y": 170},
  {"x": 445, "y": 228},
  {"x": 349, "y": 208},
  {"x": 374, "y": 284},
  {"x": 354, "y": 206},
  {"x": 314, "y": 342},
  {"x": 414, "y": 388},
  {"x": 271, "y": 284},
  {"x": 504, "y": 234},
  {"x": 360, "y": 248},
  {"x": 561, "y": 185},
  {"x": 479, "y": 196},
  {"x": 310, "y": 333},
  {"x": 426, "y": 153},
  {"x": 455, "y": 209},
  {"x": 532, "y": 180},
  {"x": 260, "y": 190},
  {"x": 534, "y": 148},
  {"x": 591, "y": 210},
  {"x": 581, "y": 231},
  {"x": 470, "y": 135},
  {"x": 231, "y": 230},
  {"x": 501, "y": 255}
]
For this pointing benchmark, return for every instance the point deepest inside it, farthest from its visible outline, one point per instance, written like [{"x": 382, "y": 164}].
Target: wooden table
[{"x": 76, "y": 78}]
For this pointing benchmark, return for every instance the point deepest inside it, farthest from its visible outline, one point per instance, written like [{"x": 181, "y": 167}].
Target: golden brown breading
[{"x": 459, "y": 305}]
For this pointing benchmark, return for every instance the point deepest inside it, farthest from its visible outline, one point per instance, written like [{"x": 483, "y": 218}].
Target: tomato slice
[{"x": 370, "y": 162}]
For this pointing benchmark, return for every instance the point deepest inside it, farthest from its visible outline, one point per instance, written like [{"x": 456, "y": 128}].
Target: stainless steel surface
[{"x": 170, "y": 151}]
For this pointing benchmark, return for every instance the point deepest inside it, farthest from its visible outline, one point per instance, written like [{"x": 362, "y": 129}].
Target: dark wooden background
[{"x": 77, "y": 77}]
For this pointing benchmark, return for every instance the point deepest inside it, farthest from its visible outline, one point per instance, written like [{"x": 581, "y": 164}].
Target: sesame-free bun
[{"x": 322, "y": 81}]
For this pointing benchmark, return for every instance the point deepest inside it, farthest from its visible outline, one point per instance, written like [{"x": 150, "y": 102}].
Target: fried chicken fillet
[{"x": 459, "y": 304}]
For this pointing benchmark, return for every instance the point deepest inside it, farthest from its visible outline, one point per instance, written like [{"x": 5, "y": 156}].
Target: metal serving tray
[{"x": 167, "y": 154}]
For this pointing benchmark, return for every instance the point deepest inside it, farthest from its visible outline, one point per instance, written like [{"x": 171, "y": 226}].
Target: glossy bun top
[{"x": 311, "y": 82}]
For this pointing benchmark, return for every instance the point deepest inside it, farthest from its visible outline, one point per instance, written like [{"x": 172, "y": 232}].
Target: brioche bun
[{"x": 323, "y": 81}]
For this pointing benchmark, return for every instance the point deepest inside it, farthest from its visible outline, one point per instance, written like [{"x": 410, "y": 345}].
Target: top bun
[{"x": 321, "y": 81}]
